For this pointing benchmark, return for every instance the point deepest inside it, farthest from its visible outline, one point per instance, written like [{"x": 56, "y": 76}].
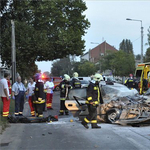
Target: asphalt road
[{"x": 66, "y": 135}]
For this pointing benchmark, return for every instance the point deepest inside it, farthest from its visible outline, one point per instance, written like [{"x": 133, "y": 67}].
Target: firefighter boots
[
  {"x": 85, "y": 125},
  {"x": 95, "y": 126}
]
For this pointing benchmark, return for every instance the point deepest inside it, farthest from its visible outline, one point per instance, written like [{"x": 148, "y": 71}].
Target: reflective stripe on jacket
[{"x": 94, "y": 94}]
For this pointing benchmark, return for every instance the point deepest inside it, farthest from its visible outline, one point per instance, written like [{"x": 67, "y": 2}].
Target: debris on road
[{"x": 23, "y": 119}]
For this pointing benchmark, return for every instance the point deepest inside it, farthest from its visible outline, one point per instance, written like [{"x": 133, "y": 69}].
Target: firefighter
[
  {"x": 64, "y": 86},
  {"x": 30, "y": 91},
  {"x": 94, "y": 97},
  {"x": 18, "y": 92},
  {"x": 49, "y": 96},
  {"x": 75, "y": 82},
  {"x": 130, "y": 82},
  {"x": 39, "y": 98},
  {"x": 4, "y": 93}
]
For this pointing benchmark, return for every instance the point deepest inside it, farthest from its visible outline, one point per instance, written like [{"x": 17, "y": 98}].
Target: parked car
[
  {"x": 84, "y": 83},
  {"x": 84, "y": 78}
]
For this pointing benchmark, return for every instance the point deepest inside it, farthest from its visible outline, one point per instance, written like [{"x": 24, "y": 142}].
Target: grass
[{"x": 3, "y": 120}]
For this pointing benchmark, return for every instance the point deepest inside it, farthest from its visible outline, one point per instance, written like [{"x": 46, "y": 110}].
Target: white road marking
[{"x": 139, "y": 146}]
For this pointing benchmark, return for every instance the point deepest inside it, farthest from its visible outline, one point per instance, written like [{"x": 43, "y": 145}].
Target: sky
[{"x": 108, "y": 23}]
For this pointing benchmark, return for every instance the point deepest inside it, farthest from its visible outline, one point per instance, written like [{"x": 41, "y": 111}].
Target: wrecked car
[{"x": 121, "y": 105}]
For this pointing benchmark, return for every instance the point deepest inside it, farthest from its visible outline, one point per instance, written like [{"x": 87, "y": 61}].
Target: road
[{"x": 66, "y": 135}]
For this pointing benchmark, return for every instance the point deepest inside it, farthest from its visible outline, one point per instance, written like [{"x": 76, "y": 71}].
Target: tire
[{"x": 112, "y": 115}]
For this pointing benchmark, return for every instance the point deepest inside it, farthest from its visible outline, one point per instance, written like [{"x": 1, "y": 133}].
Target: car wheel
[
  {"x": 112, "y": 115},
  {"x": 57, "y": 88}
]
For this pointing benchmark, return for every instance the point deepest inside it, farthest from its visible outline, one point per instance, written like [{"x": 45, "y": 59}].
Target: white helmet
[
  {"x": 97, "y": 77},
  {"x": 75, "y": 74},
  {"x": 66, "y": 77}
]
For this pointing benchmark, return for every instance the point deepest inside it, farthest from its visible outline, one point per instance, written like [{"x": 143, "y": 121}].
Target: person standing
[
  {"x": 94, "y": 97},
  {"x": 18, "y": 92},
  {"x": 39, "y": 96},
  {"x": 130, "y": 82},
  {"x": 30, "y": 91},
  {"x": 49, "y": 96},
  {"x": 75, "y": 82},
  {"x": 64, "y": 86},
  {"x": 4, "y": 93}
]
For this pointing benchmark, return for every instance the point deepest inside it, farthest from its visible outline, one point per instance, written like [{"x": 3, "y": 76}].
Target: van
[{"x": 141, "y": 74}]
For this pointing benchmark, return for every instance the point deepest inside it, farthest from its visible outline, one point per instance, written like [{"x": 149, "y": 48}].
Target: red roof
[{"x": 100, "y": 50}]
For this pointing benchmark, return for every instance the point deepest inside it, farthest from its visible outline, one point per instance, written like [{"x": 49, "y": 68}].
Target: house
[{"x": 95, "y": 54}]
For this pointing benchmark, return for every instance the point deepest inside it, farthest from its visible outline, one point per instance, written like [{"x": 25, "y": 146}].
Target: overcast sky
[{"x": 108, "y": 23}]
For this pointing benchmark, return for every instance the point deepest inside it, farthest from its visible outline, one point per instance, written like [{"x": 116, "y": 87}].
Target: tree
[
  {"x": 3, "y": 6},
  {"x": 66, "y": 66},
  {"x": 85, "y": 68},
  {"x": 106, "y": 61},
  {"x": 123, "y": 64},
  {"x": 148, "y": 36},
  {"x": 138, "y": 57},
  {"x": 147, "y": 55},
  {"x": 61, "y": 67},
  {"x": 45, "y": 30},
  {"x": 126, "y": 46}
]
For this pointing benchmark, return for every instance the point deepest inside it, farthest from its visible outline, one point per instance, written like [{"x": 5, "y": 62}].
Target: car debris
[{"x": 121, "y": 105}]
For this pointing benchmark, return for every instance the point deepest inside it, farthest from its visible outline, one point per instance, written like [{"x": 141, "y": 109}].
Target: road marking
[{"x": 139, "y": 146}]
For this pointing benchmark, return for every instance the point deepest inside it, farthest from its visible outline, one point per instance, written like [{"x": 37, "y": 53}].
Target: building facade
[{"x": 95, "y": 54}]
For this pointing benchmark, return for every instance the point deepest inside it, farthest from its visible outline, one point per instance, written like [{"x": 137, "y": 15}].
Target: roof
[{"x": 100, "y": 50}]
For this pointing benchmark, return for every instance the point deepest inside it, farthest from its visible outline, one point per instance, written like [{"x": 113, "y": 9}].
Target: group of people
[
  {"x": 40, "y": 92},
  {"x": 36, "y": 89},
  {"x": 94, "y": 97}
]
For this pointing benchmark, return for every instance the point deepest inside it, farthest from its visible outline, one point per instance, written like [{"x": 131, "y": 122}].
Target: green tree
[
  {"x": 147, "y": 55},
  {"x": 106, "y": 61},
  {"x": 138, "y": 57},
  {"x": 45, "y": 30},
  {"x": 85, "y": 68},
  {"x": 3, "y": 6},
  {"x": 61, "y": 67},
  {"x": 126, "y": 46},
  {"x": 123, "y": 64}
]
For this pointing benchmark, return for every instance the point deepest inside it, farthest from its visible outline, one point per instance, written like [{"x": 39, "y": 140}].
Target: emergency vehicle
[{"x": 141, "y": 73}]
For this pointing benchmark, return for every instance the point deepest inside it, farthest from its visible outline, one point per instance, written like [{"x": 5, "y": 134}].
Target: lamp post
[{"x": 141, "y": 37}]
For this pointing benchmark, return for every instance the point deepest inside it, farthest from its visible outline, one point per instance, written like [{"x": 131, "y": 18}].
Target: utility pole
[
  {"x": 13, "y": 54},
  {"x": 141, "y": 36}
]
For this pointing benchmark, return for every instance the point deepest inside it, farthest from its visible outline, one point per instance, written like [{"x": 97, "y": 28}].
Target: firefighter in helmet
[
  {"x": 75, "y": 82},
  {"x": 64, "y": 86},
  {"x": 39, "y": 97},
  {"x": 94, "y": 97}
]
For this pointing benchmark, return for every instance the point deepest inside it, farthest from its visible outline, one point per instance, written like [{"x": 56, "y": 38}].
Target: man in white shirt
[
  {"x": 18, "y": 92},
  {"x": 49, "y": 85},
  {"x": 30, "y": 91},
  {"x": 4, "y": 93}
]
